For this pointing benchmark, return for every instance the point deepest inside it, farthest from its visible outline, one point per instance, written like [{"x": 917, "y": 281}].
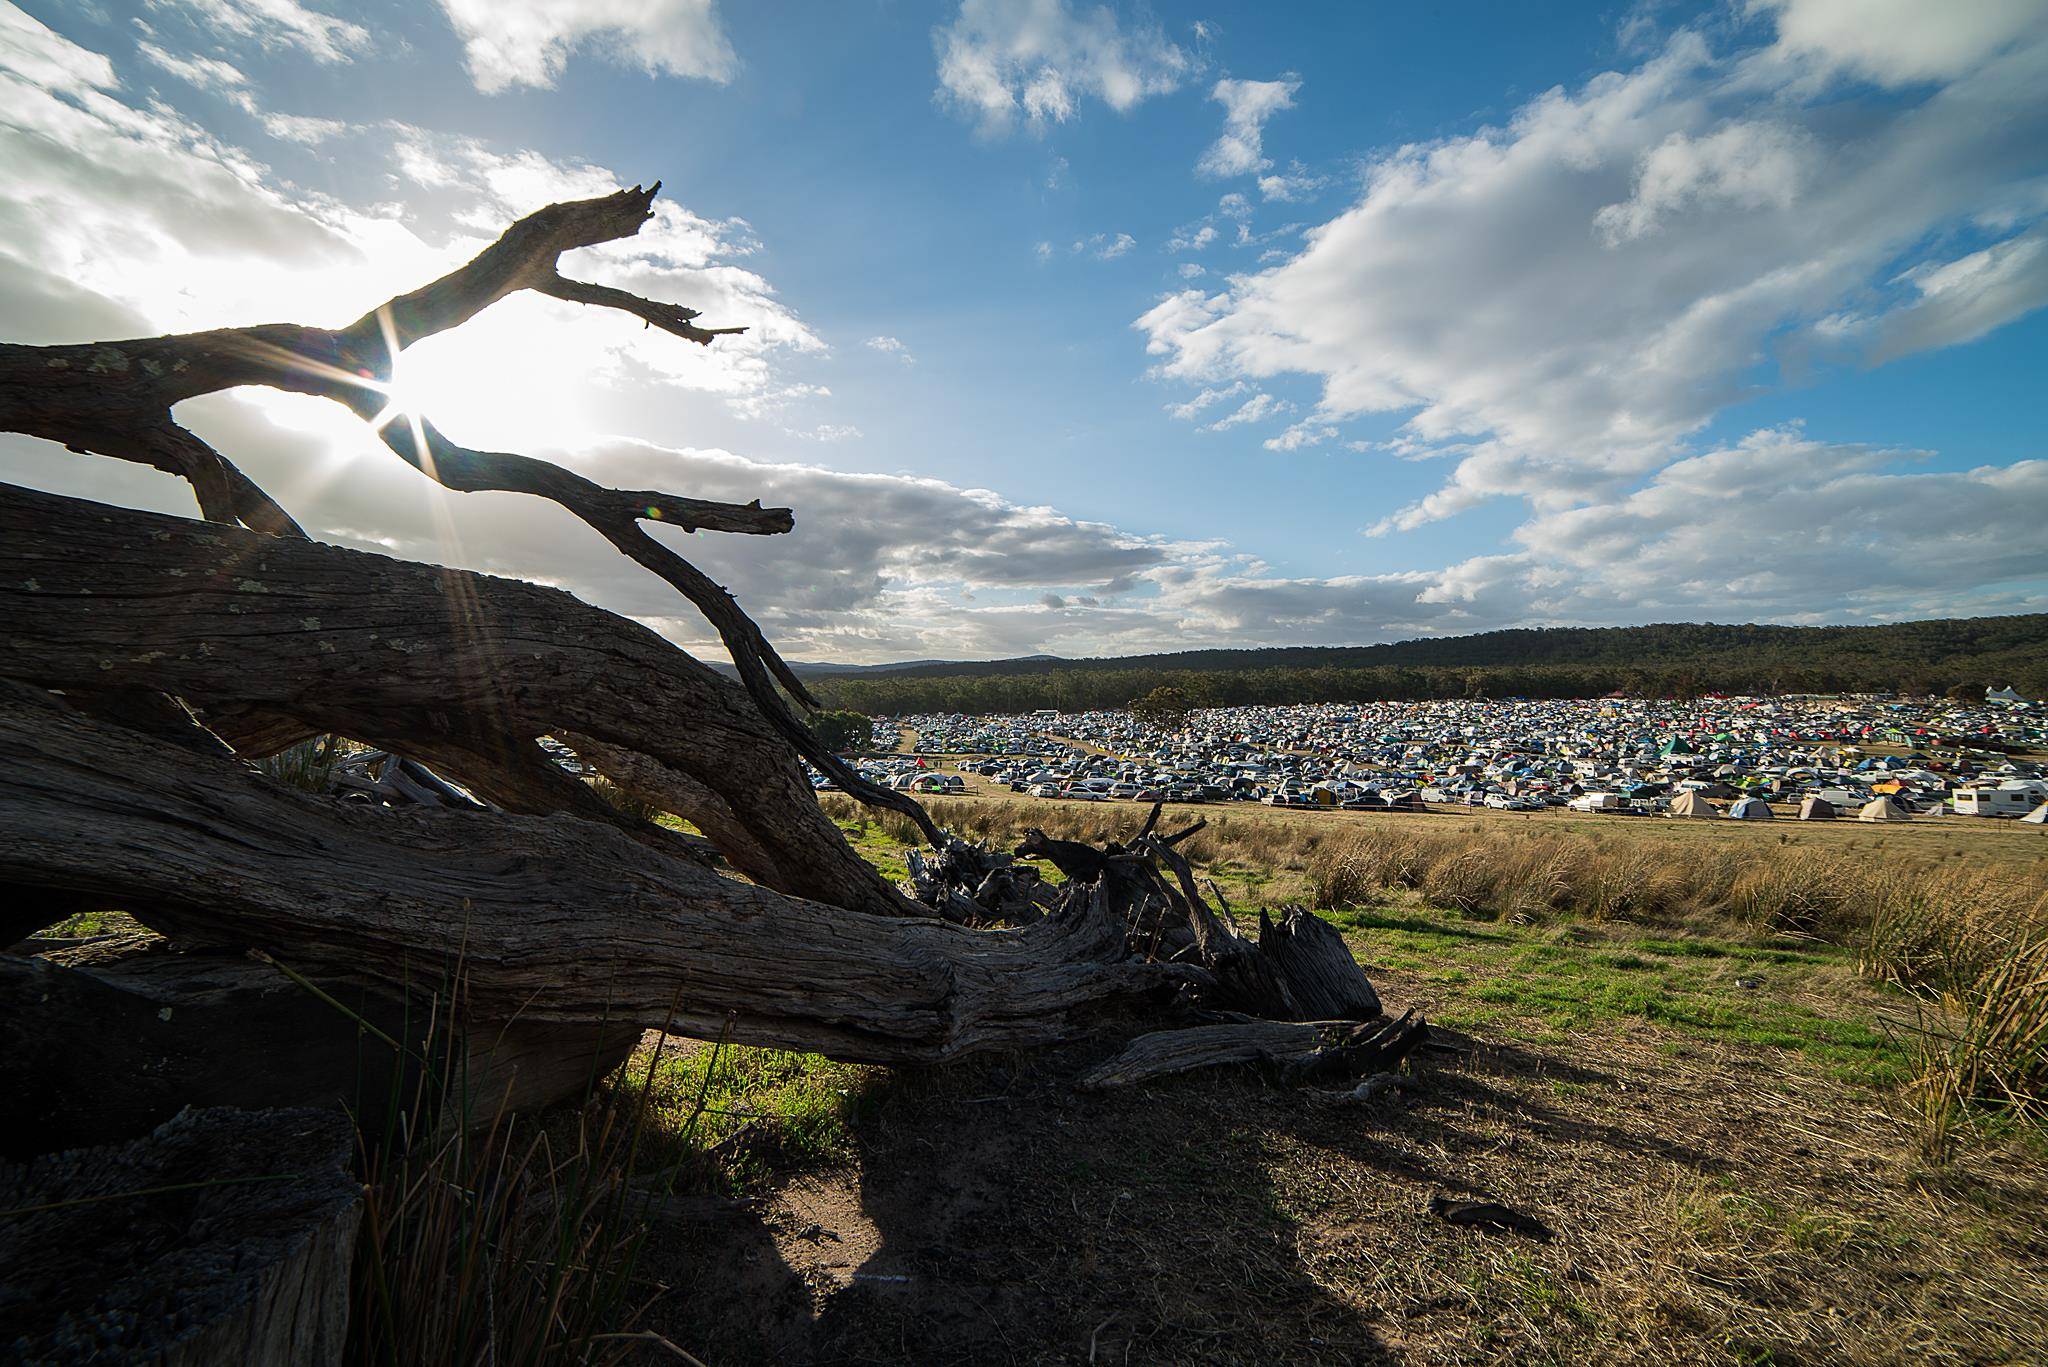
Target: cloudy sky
[{"x": 1097, "y": 329}]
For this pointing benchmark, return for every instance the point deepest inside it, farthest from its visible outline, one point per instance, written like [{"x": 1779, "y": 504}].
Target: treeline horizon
[{"x": 1667, "y": 660}]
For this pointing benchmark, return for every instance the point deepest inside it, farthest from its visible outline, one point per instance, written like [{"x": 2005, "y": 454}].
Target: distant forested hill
[{"x": 1671, "y": 659}]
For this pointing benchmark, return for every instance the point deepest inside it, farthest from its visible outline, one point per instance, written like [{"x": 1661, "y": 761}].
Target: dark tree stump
[
  {"x": 223, "y": 1237},
  {"x": 107, "y": 1041}
]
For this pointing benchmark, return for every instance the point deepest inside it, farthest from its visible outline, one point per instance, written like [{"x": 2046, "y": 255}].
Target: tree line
[{"x": 1960, "y": 657}]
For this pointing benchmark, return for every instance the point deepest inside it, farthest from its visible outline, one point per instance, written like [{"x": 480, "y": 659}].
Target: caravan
[{"x": 2015, "y": 797}]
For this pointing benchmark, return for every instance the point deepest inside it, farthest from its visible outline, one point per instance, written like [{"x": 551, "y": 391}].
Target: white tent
[
  {"x": 1883, "y": 809},
  {"x": 1690, "y": 803},
  {"x": 1751, "y": 809},
  {"x": 2037, "y": 817},
  {"x": 1816, "y": 808}
]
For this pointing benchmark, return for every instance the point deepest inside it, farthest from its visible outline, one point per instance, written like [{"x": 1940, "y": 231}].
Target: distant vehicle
[
  {"x": 1082, "y": 795},
  {"x": 2008, "y": 799}
]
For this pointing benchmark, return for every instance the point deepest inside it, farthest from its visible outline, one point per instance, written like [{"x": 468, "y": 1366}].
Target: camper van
[{"x": 2015, "y": 798}]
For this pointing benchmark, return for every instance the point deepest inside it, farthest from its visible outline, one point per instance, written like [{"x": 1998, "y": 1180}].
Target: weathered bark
[
  {"x": 460, "y": 670},
  {"x": 107, "y": 1041},
  {"x": 544, "y": 919},
  {"x": 1165, "y": 1052},
  {"x": 1294, "y": 1052},
  {"x": 1323, "y": 981},
  {"x": 646, "y": 779},
  {"x": 224, "y": 1236}
]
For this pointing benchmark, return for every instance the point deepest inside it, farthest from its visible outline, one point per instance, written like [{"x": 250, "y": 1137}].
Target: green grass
[
  {"x": 87, "y": 924},
  {"x": 797, "y": 1110},
  {"x": 878, "y": 847},
  {"x": 1553, "y": 983}
]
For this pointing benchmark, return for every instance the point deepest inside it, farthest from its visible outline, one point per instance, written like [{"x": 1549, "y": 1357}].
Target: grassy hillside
[{"x": 1664, "y": 659}]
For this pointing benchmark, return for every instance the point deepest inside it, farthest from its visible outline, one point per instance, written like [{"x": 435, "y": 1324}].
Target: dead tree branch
[{"x": 115, "y": 399}]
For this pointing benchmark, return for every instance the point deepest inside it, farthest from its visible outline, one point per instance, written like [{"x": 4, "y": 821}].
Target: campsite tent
[
  {"x": 1883, "y": 809},
  {"x": 1751, "y": 809},
  {"x": 2037, "y": 817},
  {"x": 1816, "y": 808},
  {"x": 1690, "y": 803}
]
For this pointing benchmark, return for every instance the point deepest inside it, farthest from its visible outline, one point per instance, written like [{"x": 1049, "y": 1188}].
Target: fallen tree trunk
[
  {"x": 1293, "y": 1052},
  {"x": 460, "y": 670},
  {"x": 545, "y": 919},
  {"x": 105, "y": 1042},
  {"x": 224, "y": 1236}
]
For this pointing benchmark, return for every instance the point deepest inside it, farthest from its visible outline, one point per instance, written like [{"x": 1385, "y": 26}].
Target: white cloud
[
  {"x": 1745, "y": 165},
  {"x": 278, "y": 25},
  {"x": 1105, "y": 246},
  {"x": 1896, "y": 42},
  {"x": 509, "y": 43},
  {"x": 1961, "y": 300},
  {"x": 1300, "y": 436},
  {"x": 1258, "y": 406},
  {"x": 1246, "y": 107},
  {"x": 1208, "y": 397},
  {"x": 112, "y": 209},
  {"x": 1190, "y": 270},
  {"x": 1192, "y": 238},
  {"x": 203, "y": 73},
  {"x": 305, "y": 129},
  {"x": 1296, "y": 185},
  {"x": 1780, "y": 525},
  {"x": 1575, "y": 294},
  {"x": 889, "y": 346},
  {"x": 39, "y": 56},
  {"x": 1041, "y": 59}
]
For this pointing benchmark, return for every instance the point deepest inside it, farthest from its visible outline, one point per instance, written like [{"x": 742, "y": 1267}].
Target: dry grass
[
  {"x": 1966, "y": 934},
  {"x": 306, "y": 765},
  {"x": 513, "y": 1242}
]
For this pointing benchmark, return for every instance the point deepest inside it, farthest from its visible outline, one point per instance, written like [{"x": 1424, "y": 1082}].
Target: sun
[{"x": 409, "y": 393}]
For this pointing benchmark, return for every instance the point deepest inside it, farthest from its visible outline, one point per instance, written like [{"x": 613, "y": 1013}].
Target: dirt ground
[{"x": 1709, "y": 1204}]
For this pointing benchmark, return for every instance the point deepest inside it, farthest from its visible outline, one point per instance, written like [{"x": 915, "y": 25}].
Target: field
[{"x": 1716, "y": 1095}]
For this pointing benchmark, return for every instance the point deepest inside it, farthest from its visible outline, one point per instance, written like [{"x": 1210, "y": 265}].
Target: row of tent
[{"x": 1813, "y": 808}]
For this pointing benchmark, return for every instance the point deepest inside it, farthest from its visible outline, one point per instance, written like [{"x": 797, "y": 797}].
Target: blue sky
[{"x": 1104, "y": 329}]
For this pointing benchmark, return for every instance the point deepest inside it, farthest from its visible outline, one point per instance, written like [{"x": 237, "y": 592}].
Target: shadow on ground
[{"x": 1710, "y": 1205}]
